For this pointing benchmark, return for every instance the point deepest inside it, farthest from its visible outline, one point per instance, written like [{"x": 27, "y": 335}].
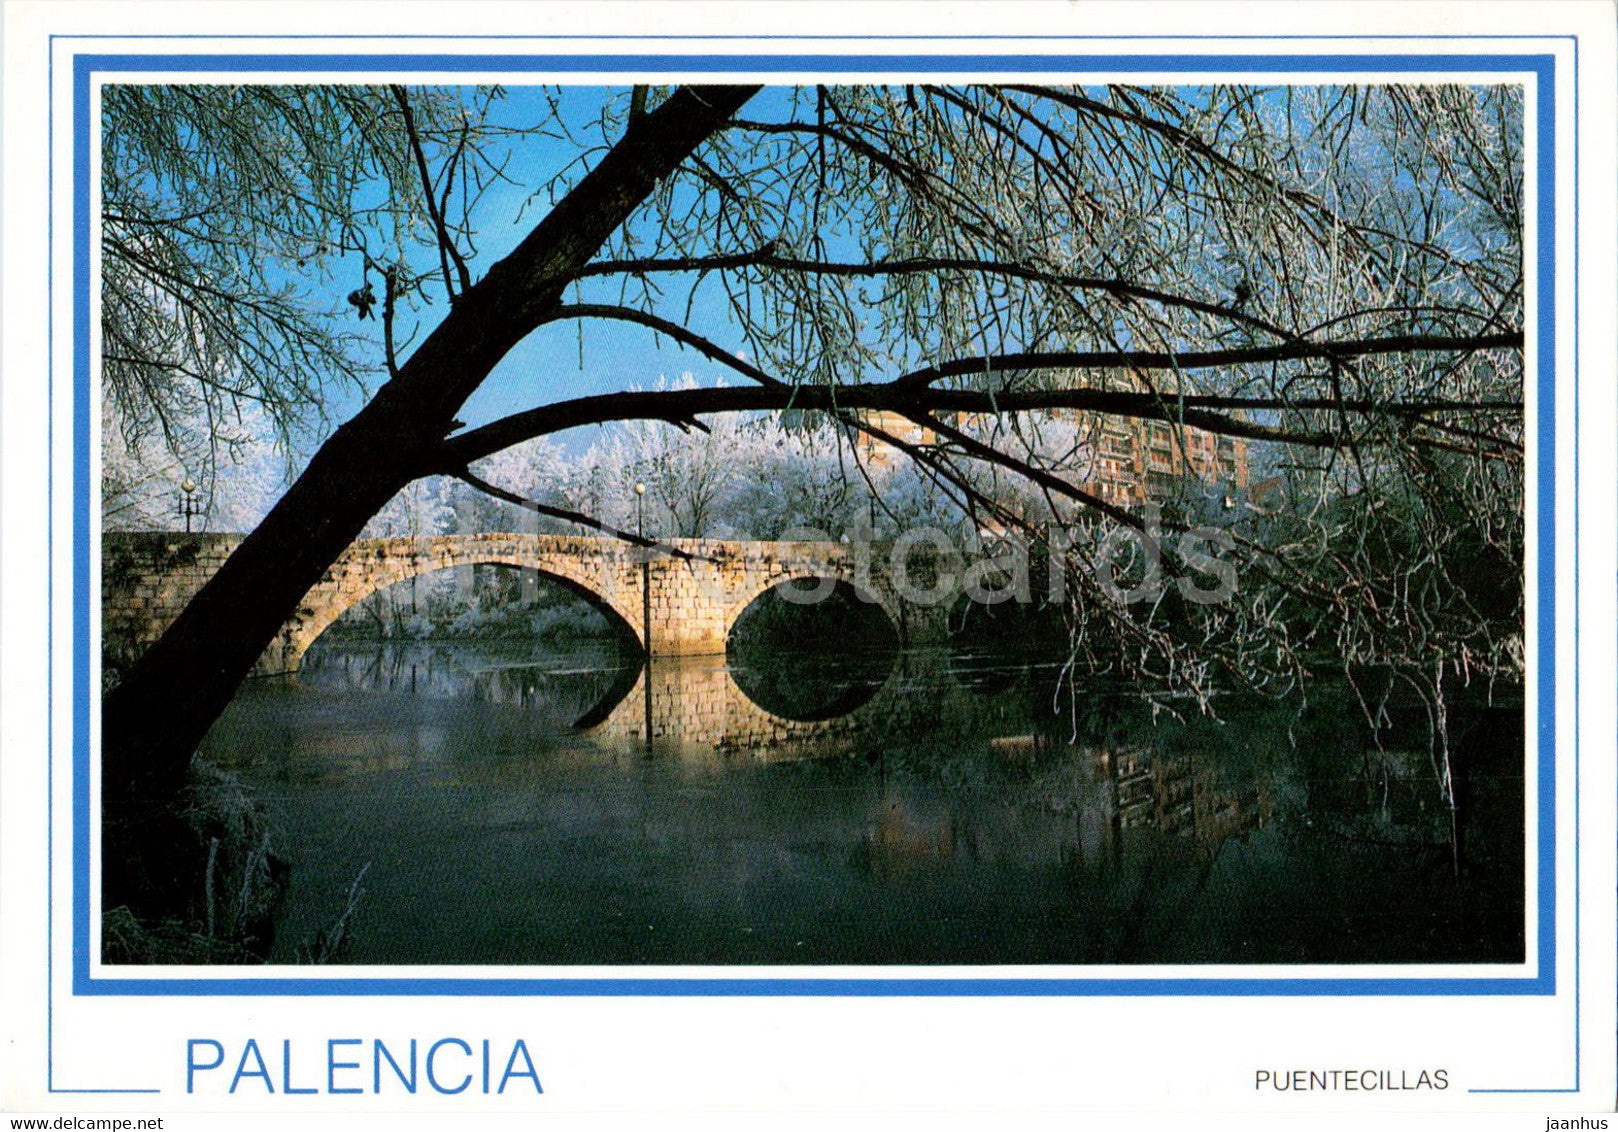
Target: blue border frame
[{"x": 1543, "y": 66}]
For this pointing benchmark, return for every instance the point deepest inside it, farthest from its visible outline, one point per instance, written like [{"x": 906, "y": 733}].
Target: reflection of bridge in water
[
  {"x": 693, "y": 703},
  {"x": 697, "y": 701},
  {"x": 693, "y": 709}
]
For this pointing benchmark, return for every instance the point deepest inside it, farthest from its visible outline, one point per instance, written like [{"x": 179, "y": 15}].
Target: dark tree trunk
[{"x": 153, "y": 721}]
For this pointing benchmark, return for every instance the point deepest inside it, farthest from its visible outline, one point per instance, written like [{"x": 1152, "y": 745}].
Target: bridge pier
[{"x": 684, "y": 604}]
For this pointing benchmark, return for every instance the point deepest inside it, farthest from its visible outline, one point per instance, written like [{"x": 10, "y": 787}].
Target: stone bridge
[{"x": 670, "y": 605}]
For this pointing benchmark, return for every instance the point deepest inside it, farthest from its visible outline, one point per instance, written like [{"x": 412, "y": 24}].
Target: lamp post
[
  {"x": 645, "y": 606},
  {"x": 189, "y": 504}
]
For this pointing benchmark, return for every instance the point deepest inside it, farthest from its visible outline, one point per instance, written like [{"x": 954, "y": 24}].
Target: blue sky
[
  {"x": 560, "y": 360},
  {"x": 580, "y": 357}
]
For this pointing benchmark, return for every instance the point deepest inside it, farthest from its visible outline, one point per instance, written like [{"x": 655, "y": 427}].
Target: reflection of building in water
[
  {"x": 1174, "y": 794},
  {"x": 904, "y": 833},
  {"x": 1062, "y": 804}
]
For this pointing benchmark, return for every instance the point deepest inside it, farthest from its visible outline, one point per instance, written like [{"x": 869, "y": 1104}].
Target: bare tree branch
[
  {"x": 898, "y": 396},
  {"x": 466, "y": 476}
]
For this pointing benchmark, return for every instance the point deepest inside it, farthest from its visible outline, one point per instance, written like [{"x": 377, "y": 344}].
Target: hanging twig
[
  {"x": 446, "y": 246},
  {"x": 466, "y": 476}
]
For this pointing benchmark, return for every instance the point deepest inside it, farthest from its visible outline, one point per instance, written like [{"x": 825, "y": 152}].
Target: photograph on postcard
[{"x": 926, "y": 524}]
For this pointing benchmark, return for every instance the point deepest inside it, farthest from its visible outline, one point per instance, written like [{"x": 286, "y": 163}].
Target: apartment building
[{"x": 1126, "y": 461}]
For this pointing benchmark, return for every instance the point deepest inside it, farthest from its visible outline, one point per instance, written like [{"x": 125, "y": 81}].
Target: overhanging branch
[
  {"x": 1210, "y": 359},
  {"x": 1204, "y": 412}
]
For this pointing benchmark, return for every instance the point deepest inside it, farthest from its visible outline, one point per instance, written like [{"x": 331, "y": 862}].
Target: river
[{"x": 916, "y": 808}]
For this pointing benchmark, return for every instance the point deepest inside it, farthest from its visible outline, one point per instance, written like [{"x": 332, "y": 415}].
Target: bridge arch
[
  {"x": 794, "y": 662},
  {"x": 759, "y": 583},
  {"x": 373, "y": 565}
]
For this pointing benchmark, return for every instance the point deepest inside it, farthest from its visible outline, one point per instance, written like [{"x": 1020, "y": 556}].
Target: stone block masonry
[{"x": 679, "y": 606}]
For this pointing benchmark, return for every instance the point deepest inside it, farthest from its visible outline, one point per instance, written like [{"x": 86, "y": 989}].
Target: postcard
[{"x": 697, "y": 559}]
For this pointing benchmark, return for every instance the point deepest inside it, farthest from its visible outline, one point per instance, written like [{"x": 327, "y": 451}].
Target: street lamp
[
  {"x": 645, "y": 608},
  {"x": 189, "y": 504}
]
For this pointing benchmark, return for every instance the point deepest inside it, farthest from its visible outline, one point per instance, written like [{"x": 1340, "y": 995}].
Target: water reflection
[
  {"x": 794, "y": 661},
  {"x": 811, "y": 686},
  {"x": 588, "y": 680},
  {"x": 967, "y": 811}
]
